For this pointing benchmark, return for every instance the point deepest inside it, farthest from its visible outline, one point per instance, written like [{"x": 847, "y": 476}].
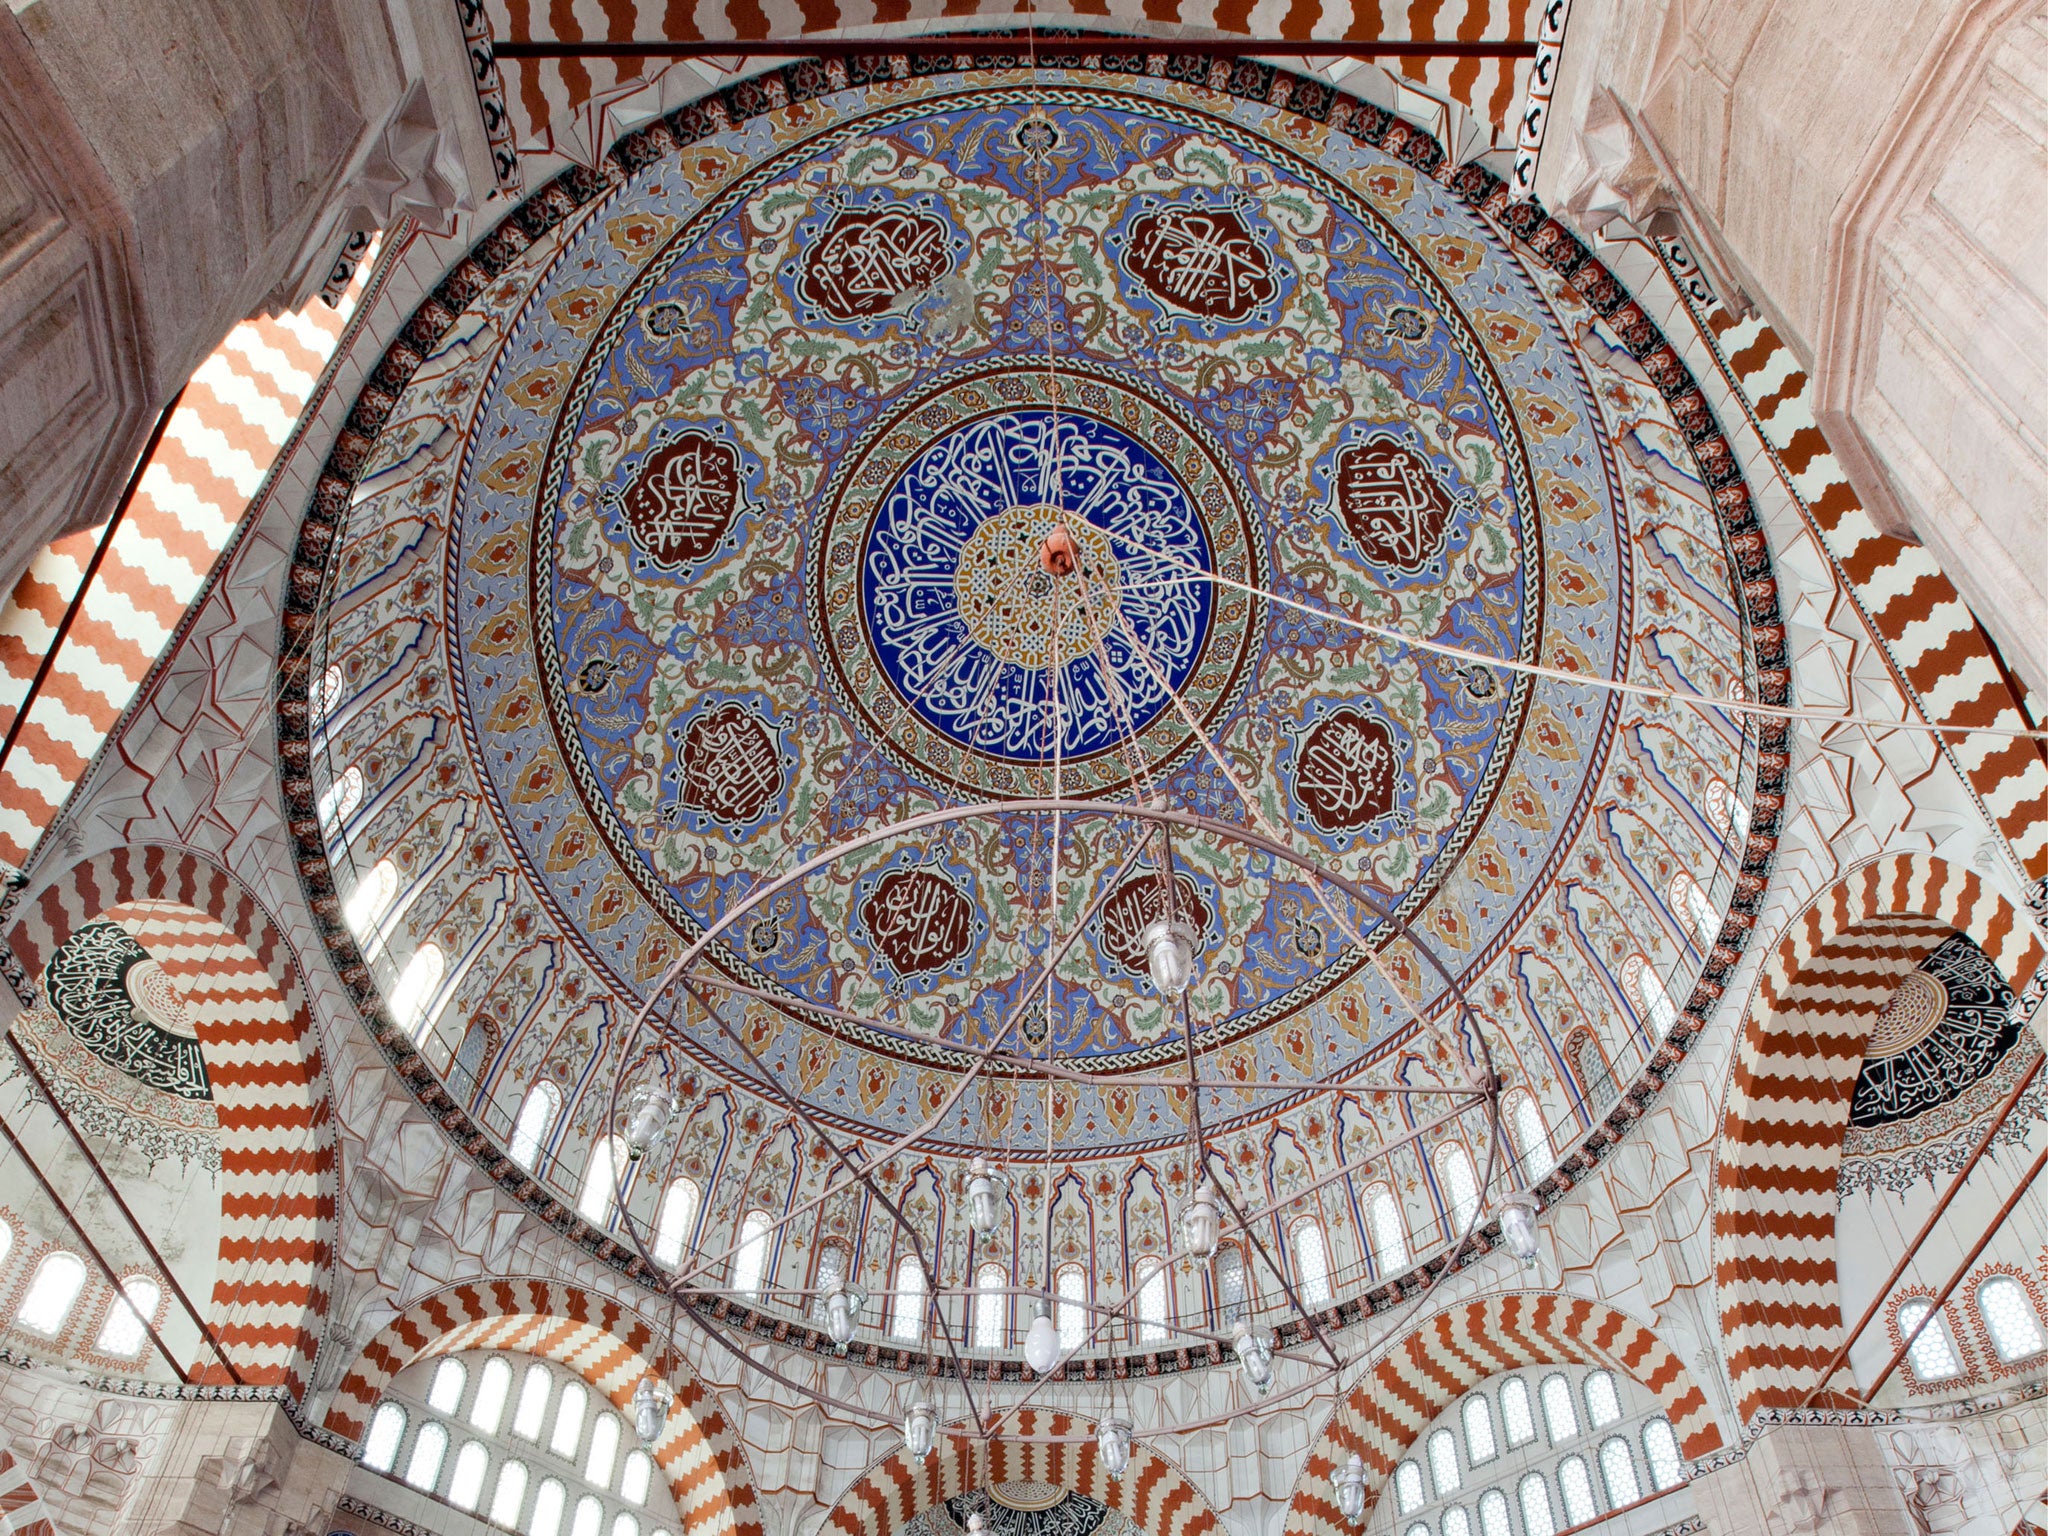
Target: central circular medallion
[{"x": 948, "y": 636}]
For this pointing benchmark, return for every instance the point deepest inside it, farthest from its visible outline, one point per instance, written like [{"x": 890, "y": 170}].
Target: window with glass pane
[
  {"x": 1231, "y": 1298},
  {"x": 341, "y": 797},
  {"x": 122, "y": 1335},
  {"x": 444, "y": 1393},
  {"x": 1560, "y": 1418},
  {"x": 1575, "y": 1482},
  {"x": 589, "y": 1519},
  {"x": 380, "y": 1445},
  {"x": 47, "y": 1307},
  {"x": 1479, "y": 1444},
  {"x": 599, "y": 1202},
  {"x": 1408, "y": 1492},
  {"x": 423, "y": 1467},
  {"x": 368, "y": 902},
  {"x": 750, "y": 1258},
  {"x": 1312, "y": 1262},
  {"x": 548, "y": 1502},
  {"x": 1443, "y": 1462},
  {"x": 532, "y": 1411},
  {"x": 639, "y": 1474},
  {"x": 830, "y": 1276},
  {"x": 1932, "y": 1357},
  {"x": 678, "y": 1219},
  {"x": 1151, "y": 1302},
  {"x": 509, "y": 1494},
  {"x": 906, "y": 1311},
  {"x": 569, "y": 1413},
  {"x": 466, "y": 1485},
  {"x": 1660, "y": 1450},
  {"x": 1618, "y": 1472},
  {"x": 1389, "y": 1239},
  {"x": 1493, "y": 1514},
  {"x": 1459, "y": 1184},
  {"x": 1072, "y": 1285},
  {"x": 989, "y": 1281},
  {"x": 1532, "y": 1140},
  {"x": 625, "y": 1525},
  {"x": 1457, "y": 1522},
  {"x": 412, "y": 999},
  {"x": 1417, "y": 1529},
  {"x": 603, "y": 1454},
  {"x": 537, "y": 1113},
  {"x": 493, "y": 1386},
  {"x": 1516, "y": 1415},
  {"x": 2009, "y": 1318},
  {"x": 1533, "y": 1494},
  {"x": 1603, "y": 1403}
]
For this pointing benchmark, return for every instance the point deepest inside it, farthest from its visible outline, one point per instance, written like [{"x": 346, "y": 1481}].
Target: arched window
[
  {"x": 1647, "y": 987},
  {"x": 532, "y": 1412},
  {"x": 1576, "y": 1484},
  {"x": 387, "y": 1429},
  {"x": 328, "y": 694},
  {"x": 2010, "y": 1319},
  {"x": 1408, "y": 1492},
  {"x": 906, "y": 1310},
  {"x": 1418, "y": 1529},
  {"x": 1660, "y": 1450},
  {"x": 1618, "y": 1472},
  {"x": 1389, "y": 1238},
  {"x": 537, "y": 1113},
  {"x": 677, "y": 1223},
  {"x": 444, "y": 1392},
  {"x": 1533, "y": 1493},
  {"x": 637, "y": 1478},
  {"x": 1532, "y": 1137},
  {"x": 546, "y": 1519},
  {"x": 989, "y": 1332},
  {"x": 589, "y": 1517},
  {"x": 1311, "y": 1262},
  {"x": 599, "y": 1202},
  {"x": 1694, "y": 908},
  {"x": 1460, "y": 1186},
  {"x": 412, "y": 997},
  {"x": 625, "y": 1525},
  {"x": 1071, "y": 1285},
  {"x": 341, "y": 798},
  {"x": 510, "y": 1495},
  {"x": 429, "y": 1446},
  {"x": 370, "y": 900},
  {"x": 122, "y": 1335},
  {"x": 470, "y": 1056},
  {"x": 1559, "y": 1417},
  {"x": 569, "y": 1410},
  {"x": 1479, "y": 1444},
  {"x": 1516, "y": 1415},
  {"x": 47, "y": 1306},
  {"x": 1232, "y": 1293},
  {"x": 1152, "y": 1301},
  {"x": 493, "y": 1386},
  {"x": 466, "y": 1485},
  {"x": 1603, "y": 1404},
  {"x": 1493, "y": 1514},
  {"x": 750, "y": 1258},
  {"x": 1932, "y": 1357},
  {"x": 1443, "y": 1462},
  {"x": 1457, "y": 1522},
  {"x": 603, "y": 1456},
  {"x": 1728, "y": 814}
]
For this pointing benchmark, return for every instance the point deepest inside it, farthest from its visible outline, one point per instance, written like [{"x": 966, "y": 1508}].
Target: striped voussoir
[
  {"x": 270, "y": 1092},
  {"x": 1795, "y": 1072},
  {"x": 1153, "y": 1493},
  {"x": 22, "y": 1511},
  {"x": 1447, "y": 1354},
  {"x": 1937, "y": 648},
  {"x": 600, "y": 1338}
]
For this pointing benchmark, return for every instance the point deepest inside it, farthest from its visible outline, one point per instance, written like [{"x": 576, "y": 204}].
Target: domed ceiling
[{"x": 705, "y": 535}]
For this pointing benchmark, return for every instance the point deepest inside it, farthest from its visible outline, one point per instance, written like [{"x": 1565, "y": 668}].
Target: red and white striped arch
[
  {"x": 270, "y": 1090},
  {"x": 1446, "y": 1355},
  {"x": 22, "y": 1510},
  {"x": 1788, "y": 1103},
  {"x": 600, "y": 1338},
  {"x": 1154, "y": 1493}
]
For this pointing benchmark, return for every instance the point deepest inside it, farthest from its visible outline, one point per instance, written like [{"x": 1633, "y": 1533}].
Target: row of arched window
[
  {"x": 584, "y": 1497},
  {"x": 2010, "y": 1322},
  {"x": 50, "y": 1303}
]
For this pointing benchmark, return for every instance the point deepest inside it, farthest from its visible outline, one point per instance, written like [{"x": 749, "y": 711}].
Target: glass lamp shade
[
  {"x": 648, "y": 1112},
  {"x": 1255, "y": 1357},
  {"x": 1199, "y": 1227},
  {"x": 920, "y": 1430},
  {"x": 984, "y": 1203},
  {"x": 974, "y": 1525},
  {"x": 1113, "y": 1445},
  {"x": 1350, "y": 1482},
  {"x": 842, "y": 1313},
  {"x": 1042, "y": 1341},
  {"x": 652, "y": 1400},
  {"x": 1169, "y": 955},
  {"x": 1518, "y": 1227}
]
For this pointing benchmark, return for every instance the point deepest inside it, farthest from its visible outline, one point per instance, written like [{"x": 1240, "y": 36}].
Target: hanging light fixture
[
  {"x": 1350, "y": 1481},
  {"x": 1199, "y": 1227},
  {"x": 652, "y": 1400},
  {"x": 1169, "y": 946},
  {"x": 1518, "y": 1226},
  {"x": 984, "y": 1198},
  {"x": 920, "y": 1429},
  {"x": 974, "y": 1525},
  {"x": 649, "y": 1111},
  {"x": 1042, "y": 1340},
  {"x": 1255, "y": 1357},
  {"x": 1113, "y": 1444},
  {"x": 842, "y": 1312}
]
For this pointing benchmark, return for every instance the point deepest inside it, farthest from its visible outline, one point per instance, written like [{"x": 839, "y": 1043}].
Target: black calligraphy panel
[
  {"x": 1978, "y": 1025},
  {"x": 97, "y": 982}
]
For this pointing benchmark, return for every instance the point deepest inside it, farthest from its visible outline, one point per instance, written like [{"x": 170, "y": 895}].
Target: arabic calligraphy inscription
[
  {"x": 1391, "y": 500},
  {"x": 918, "y": 920},
  {"x": 1137, "y": 902},
  {"x": 116, "y": 1001},
  {"x": 1344, "y": 771},
  {"x": 871, "y": 255},
  {"x": 682, "y": 501},
  {"x": 730, "y": 770},
  {"x": 1202, "y": 261}
]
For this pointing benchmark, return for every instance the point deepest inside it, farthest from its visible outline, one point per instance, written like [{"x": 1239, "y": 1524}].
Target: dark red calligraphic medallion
[
  {"x": 918, "y": 920},
  {"x": 1344, "y": 771},
  {"x": 1202, "y": 261},
  {"x": 681, "y": 501},
  {"x": 1137, "y": 902},
  {"x": 729, "y": 765},
  {"x": 871, "y": 255},
  {"x": 1393, "y": 502}
]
